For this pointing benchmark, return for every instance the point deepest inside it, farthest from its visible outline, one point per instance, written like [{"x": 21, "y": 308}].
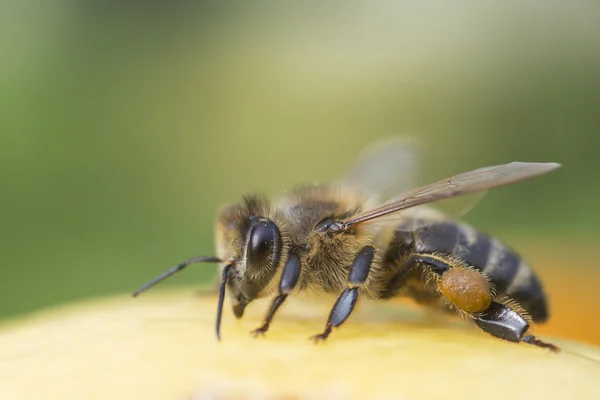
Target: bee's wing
[
  {"x": 385, "y": 169},
  {"x": 393, "y": 166},
  {"x": 470, "y": 182}
]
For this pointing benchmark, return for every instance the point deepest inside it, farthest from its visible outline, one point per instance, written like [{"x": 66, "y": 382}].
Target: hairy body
[{"x": 340, "y": 238}]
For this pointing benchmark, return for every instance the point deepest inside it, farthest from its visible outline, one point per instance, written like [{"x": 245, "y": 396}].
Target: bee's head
[
  {"x": 251, "y": 248},
  {"x": 252, "y": 244}
]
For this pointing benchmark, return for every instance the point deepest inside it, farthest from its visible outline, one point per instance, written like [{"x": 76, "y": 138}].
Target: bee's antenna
[
  {"x": 221, "y": 299},
  {"x": 173, "y": 270}
]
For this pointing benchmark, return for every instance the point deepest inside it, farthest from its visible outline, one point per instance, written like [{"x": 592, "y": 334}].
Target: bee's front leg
[
  {"x": 289, "y": 278},
  {"x": 347, "y": 299}
]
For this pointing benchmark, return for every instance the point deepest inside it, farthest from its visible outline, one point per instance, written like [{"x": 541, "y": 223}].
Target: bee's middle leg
[
  {"x": 347, "y": 299},
  {"x": 289, "y": 278}
]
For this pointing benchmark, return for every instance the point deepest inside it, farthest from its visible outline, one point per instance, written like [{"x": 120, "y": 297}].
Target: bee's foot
[
  {"x": 260, "y": 331},
  {"x": 318, "y": 338},
  {"x": 530, "y": 339},
  {"x": 322, "y": 336}
]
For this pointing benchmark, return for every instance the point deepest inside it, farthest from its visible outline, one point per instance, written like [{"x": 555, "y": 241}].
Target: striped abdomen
[{"x": 508, "y": 272}]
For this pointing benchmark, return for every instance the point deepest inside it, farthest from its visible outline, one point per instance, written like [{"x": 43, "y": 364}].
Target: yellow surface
[{"x": 162, "y": 346}]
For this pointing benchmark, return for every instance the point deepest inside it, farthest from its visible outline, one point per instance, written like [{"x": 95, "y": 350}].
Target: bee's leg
[
  {"x": 289, "y": 278},
  {"x": 437, "y": 263},
  {"x": 347, "y": 300},
  {"x": 530, "y": 339},
  {"x": 493, "y": 317},
  {"x": 503, "y": 322}
]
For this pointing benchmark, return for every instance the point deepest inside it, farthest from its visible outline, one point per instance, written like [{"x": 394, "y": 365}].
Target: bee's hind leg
[
  {"x": 501, "y": 321},
  {"x": 347, "y": 299},
  {"x": 289, "y": 278},
  {"x": 493, "y": 317},
  {"x": 530, "y": 339}
]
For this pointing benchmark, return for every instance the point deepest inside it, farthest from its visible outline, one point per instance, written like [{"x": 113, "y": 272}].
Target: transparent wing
[
  {"x": 393, "y": 166},
  {"x": 456, "y": 207},
  {"x": 423, "y": 215},
  {"x": 470, "y": 182},
  {"x": 385, "y": 169}
]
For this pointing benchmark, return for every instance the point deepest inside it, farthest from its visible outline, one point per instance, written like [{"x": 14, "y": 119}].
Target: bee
[{"x": 353, "y": 238}]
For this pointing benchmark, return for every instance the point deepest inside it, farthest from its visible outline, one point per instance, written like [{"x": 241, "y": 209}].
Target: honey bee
[{"x": 353, "y": 239}]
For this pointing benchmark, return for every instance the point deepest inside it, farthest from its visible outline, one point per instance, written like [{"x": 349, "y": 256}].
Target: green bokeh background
[{"x": 124, "y": 128}]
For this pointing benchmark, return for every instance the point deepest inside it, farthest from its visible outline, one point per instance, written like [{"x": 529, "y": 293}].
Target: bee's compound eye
[{"x": 263, "y": 241}]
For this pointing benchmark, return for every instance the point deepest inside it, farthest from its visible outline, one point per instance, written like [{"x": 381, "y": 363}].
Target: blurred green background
[{"x": 125, "y": 125}]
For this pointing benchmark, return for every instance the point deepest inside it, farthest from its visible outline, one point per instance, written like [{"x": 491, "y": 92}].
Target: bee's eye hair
[{"x": 263, "y": 241}]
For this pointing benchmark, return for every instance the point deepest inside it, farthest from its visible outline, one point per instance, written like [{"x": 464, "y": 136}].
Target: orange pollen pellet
[{"x": 466, "y": 289}]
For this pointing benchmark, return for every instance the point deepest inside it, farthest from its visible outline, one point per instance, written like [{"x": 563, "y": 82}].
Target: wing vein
[{"x": 469, "y": 182}]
